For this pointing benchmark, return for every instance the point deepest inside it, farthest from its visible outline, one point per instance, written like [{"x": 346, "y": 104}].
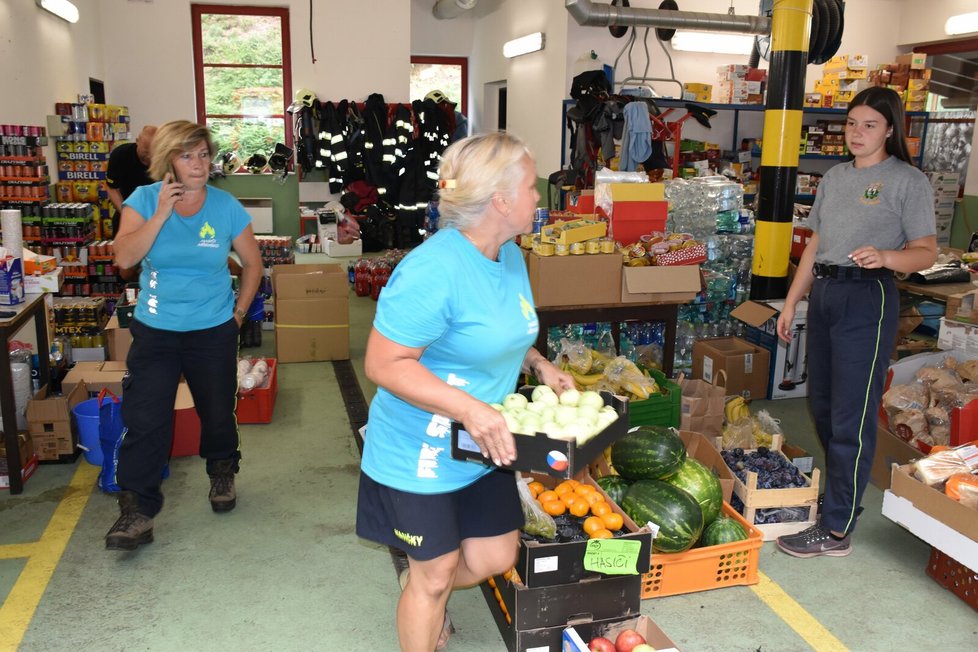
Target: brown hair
[
  {"x": 175, "y": 138},
  {"x": 887, "y": 103}
]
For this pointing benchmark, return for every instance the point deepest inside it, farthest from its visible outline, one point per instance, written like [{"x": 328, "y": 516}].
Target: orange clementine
[
  {"x": 601, "y": 508},
  {"x": 593, "y": 523},
  {"x": 547, "y": 496},
  {"x": 602, "y": 534},
  {"x": 612, "y": 520},
  {"x": 569, "y": 499},
  {"x": 564, "y": 487},
  {"x": 583, "y": 489},
  {"x": 554, "y": 507},
  {"x": 579, "y": 508},
  {"x": 593, "y": 497},
  {"x": 536, "y": 488}
]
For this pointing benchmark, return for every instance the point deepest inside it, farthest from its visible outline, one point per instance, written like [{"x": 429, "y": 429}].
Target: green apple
[
  {"x": 513, "y": 401},
  {"x": 570, "y": 397}
]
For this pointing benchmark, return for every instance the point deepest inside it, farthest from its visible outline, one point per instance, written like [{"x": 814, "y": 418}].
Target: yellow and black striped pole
[{"x": 790, "y": 27}]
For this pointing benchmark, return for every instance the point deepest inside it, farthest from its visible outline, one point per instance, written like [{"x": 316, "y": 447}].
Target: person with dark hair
[
  {"x": 186, "y": 323},
  {"x": 872, "y": 216},
  {"x": 442, "y": 348}
]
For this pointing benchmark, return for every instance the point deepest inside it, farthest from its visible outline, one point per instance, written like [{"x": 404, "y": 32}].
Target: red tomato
[
  {"x": 627, "y": 640},
  {"x": 601, "y": 644}
]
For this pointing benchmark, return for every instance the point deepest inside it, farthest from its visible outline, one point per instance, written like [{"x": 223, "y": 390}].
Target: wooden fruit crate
[{"x": 755, "y": 499}]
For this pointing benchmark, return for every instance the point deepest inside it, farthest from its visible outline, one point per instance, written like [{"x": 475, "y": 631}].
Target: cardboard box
[
  {"x": 630, "y": 220},
  {"x": 96, "y": 376},
  {"x": 337, "y": 250},
  {"x": 569, "y": 232},
  {"x": 539, "y": 616},
  {"x": 38, "y": 263},
  {"x": 916, "y": 60},
  {"x": 548, "y": 564},
  {"x": 118, "y": 339},
  {"x": 788, "y": 363},
  {"x": 958, "y": 335},
  {"x": 640, "y": 192},
  {"x": 538, "y": 453},
  {"x": 311, "y": 330},
  {"x": 309, "y": 281},
  {"x": 11, "y": 281},
  {"x": 588, "y": 280},
  {"x": 26, "y": 447},
  {"x": 928, "y": 513},
  {"x": 42, "y": 283},
  {"x": 27, "y": 469},
  {"x": 890, "y": 450},
  {"x": 668, "y": 284},
  {"x": 312, "y": 321},
  {"x": 52, "y": 428},
  {"x": 733, "y": 363},
  {"x": 576, "y": 638}
]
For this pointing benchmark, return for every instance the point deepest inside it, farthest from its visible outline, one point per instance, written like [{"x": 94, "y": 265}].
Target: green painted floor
[{"x": 284, "y": 570}]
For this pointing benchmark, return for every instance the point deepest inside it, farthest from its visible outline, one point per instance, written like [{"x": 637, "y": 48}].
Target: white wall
[
  {"x": 923, "y": 22},
  {"x": 360, "y": 48},
  {"x": 44, "y": 59}
]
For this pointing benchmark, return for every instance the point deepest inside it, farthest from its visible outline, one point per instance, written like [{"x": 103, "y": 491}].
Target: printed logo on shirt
[
  {"x": 872, "y": 194},
  {"x": 530, "y": 315},
  {"x": 208, "y": 236},
  {"x": 413, "y": 540},
  {"x": 428, "y": 461}
]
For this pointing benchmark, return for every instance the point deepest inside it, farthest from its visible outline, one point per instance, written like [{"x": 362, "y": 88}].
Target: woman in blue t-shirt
[
  {"x": 454, "y": 328},
  {"x": 186, "y": 323}
]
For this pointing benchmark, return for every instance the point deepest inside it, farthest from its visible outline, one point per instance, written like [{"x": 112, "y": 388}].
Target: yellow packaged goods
[{"x": 567, "y": 233}]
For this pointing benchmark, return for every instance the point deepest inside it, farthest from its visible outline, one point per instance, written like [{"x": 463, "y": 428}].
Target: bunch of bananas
[
  {"x": 617, "y": 375},
  {"x": 735, "y": 409}
]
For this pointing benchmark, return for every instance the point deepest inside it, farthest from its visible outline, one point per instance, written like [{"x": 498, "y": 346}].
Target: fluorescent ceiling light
[
  {"x": 962, "y": 24},
  {"x": 524, "y": 45},
  {"x": 719, "y": 42},
  {"x": 60, "y": 8}
]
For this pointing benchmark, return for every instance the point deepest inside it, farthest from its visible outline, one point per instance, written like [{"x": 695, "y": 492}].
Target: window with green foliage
[
  {"x": 446, "y": 74},
  {"x": 243, "y": 67}
]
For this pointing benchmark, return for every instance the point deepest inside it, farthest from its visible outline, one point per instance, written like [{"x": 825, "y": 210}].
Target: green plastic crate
[{"x": 660, "y": 409}]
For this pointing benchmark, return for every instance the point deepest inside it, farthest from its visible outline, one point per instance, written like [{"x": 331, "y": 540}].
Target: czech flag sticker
[{"x": 557, "y": 461}]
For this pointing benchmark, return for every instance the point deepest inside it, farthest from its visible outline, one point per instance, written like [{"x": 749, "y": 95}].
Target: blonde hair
[
  {"x": 175, "y": 138},
  {"x": 473, "y": 170}
]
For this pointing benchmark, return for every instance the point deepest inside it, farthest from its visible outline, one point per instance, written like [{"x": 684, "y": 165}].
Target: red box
[
  {"x": 582, "y": 203},
  {"x": 186, "y": 424},
  {"x": 26, "y": 471},
  {"x": 632, "y": 219},
  {"x": 258, "y": 405},
  {"x": 800, "y": 237}
]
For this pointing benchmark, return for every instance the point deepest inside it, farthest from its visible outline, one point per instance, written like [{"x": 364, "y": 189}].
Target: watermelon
[
  {"x": 697, "y": 479},
  {"x": 615, "y": 486},
  {"x": 677, "y": 514},
  {"x": 723, "y": 530},
  {"x": 648, "y": 453}
]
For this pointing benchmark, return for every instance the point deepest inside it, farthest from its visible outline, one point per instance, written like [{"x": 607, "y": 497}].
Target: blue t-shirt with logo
[
  {"x": 476, "y": 320},
  {"x": 184, "y": 284}
]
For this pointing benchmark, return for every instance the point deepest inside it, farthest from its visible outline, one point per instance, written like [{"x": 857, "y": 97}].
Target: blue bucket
[{"x": 87, "y": 418}]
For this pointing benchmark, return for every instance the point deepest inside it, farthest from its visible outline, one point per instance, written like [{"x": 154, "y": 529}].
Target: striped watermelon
[
  {"x": 648, "y": 453},
  {"x": 677, "y": 514},
  {"x": 723, "y": 530},
  {"x": 615, "y": 486},
  {"x": 701, "y": 483}
]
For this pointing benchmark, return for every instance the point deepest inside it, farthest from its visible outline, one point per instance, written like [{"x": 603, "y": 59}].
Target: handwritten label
[{"x": 612, "y": 556}]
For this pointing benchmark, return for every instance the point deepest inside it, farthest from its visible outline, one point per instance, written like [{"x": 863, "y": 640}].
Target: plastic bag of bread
[
  {"x": 963, "y": 487},
  {"x": 952, "y": 396},
  {"x": 912, "y": 396},
  {"x": 968, "y": 370},
  {"x": 909, "y": 425},
  {"x": 938, "y": 426},
  {"x": 936, "y": 468},
  {"x": 936, "y": 377}
]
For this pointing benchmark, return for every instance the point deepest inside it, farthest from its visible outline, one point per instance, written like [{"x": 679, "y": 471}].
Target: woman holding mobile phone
[{"x": 186, "y": 323}]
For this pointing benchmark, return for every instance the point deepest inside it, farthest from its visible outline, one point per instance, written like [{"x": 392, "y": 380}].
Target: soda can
[{"x": 540, "y": 218}]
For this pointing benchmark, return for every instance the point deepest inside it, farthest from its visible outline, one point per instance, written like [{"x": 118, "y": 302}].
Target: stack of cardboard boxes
[
  {"x": 946, "y": 188},
  {"x": 312, "y": 315},
  {"x": 739, "y": 84},
  {"x": 909, "y": 76},
  {"x": 842, "y": 77}
]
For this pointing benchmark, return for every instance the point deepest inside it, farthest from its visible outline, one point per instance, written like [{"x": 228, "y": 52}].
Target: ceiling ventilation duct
[
  {"x": 446, "y": 9},
  {"x": 587, "y": 13}
]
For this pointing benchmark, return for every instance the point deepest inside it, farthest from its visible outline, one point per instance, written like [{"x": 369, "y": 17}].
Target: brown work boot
[
  {"x": 132, "y": 528},
  {"x": 222, "y": 495}
]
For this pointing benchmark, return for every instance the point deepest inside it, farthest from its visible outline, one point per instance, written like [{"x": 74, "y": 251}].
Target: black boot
[
  {"x": 132, "y": 528},
  {"x": 222, "y": 495}
]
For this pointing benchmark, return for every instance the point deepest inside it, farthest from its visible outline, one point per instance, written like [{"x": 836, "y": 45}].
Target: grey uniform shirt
[{"x": 884, "y": 206}]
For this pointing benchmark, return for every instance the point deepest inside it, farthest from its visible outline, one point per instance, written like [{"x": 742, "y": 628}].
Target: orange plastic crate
[
  {"x": 258, "y": 405},
  {"x": 702, "y": 569},
  {"x": 954, "y": 576}
]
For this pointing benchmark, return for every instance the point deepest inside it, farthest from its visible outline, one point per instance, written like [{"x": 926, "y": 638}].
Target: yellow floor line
[
  {"x": 18, "y": 609},
  {"x": 792, "y": 613},
  {"x": 17, "y": 550}
]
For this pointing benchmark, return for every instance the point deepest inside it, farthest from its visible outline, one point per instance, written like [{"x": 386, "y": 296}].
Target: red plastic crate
[
  {"x": 258, "y": 405},
  {"x": 954, "y": 576}
]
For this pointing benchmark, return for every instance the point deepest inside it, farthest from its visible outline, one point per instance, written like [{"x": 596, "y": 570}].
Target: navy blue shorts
[{"x": 426, "y": 526}]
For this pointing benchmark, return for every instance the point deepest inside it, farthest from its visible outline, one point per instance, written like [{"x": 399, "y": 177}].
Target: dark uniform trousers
[{"x": 207, "y": 358}]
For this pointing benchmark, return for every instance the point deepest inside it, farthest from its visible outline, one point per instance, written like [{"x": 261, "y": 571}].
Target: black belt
[{"x": 849, "y": 273}]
